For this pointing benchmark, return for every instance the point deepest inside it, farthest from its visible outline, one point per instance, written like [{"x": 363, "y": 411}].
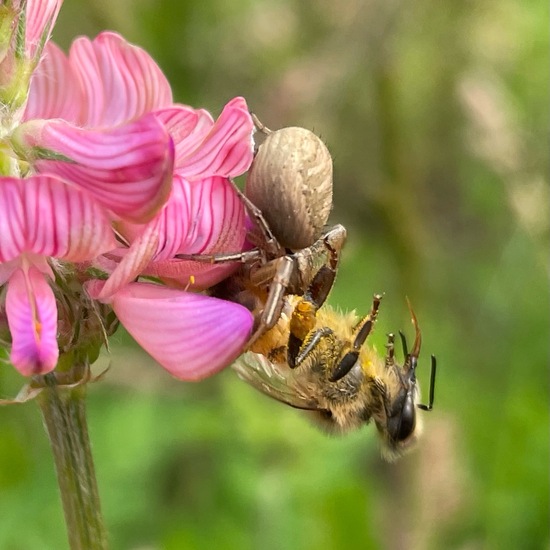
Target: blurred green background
[{"x": 436, "y": 113}]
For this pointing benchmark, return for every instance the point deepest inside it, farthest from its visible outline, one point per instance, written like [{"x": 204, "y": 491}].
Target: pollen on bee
[{"x": 305, "y": 308}]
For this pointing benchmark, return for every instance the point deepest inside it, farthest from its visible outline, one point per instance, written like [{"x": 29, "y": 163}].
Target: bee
[
  {"x": 317, "y": 359},
  {"x": 302, "y": 352}
]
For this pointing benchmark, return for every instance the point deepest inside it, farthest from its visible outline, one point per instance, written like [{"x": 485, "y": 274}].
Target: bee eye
[
  {"x": 408, "y": 419},
  {"x": 401, "y": 425}
]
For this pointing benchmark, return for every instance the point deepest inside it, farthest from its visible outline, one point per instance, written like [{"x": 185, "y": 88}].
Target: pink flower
[
  {"x": 88, "y": 120},
  {"x": 40, "y": 218},
  {"x": 88, "y": 79},
  {"x": 203, "y": 215},
  {"x": 101, "y": 127}
]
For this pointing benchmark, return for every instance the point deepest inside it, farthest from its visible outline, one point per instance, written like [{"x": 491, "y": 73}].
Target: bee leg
[
  {"x": 364, "y": 327},
  {"x": 322, "y": 339},
  {"x": 390, "y": 354},
  {"x": 302, "y": 321},
  {"x": 362, "y": 330}
]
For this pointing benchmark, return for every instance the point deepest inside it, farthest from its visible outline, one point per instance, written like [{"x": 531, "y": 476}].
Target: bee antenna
[
  {"x": 390, "y": 346},
  {"x": 418, "y": 335},
  {"x": 430, "y": 404}
]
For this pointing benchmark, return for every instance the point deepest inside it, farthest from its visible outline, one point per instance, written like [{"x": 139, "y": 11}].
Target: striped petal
[
  {"x": 205, "y": 217},
  {"x": 32, "y": 318},
  {"x": 47, "y": 217},
  {"x": 13, "y": 225},
  {"x": 188, "y": 128},
  {"x": 133, "y": 260},
  {"x": 54, "y": 90},
  {"x": 40, "y": 16},
  {"x": 120, "y": 81},
  {"x": 227, "y": 150},
  {"x": 127, "y": 169},
  {"x": 192, "y": 336}
]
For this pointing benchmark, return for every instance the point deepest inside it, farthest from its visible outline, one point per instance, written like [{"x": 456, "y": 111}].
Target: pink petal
[
  {"x": 203, "y": 217},
  {"x": 40, "y": 18},
  {"x": 227, "y": 150},
  {"x": 188, "y": 128},
  {"x": 217, "y": 215},
  {"x": 7, "y": 269},
  {"x": 13, "y": 225},
  {"x": 54, "y": 91},
  {"x": 192, "y": 336},
  {"x": 43, "y": 215},
  {"x": 121, "y": 82},
  {"x": 190, "y": 275},
  {"x": 32, "y": 317},
  {"x": 133, "y": 261},
  {"x": 127, "y": 169}
]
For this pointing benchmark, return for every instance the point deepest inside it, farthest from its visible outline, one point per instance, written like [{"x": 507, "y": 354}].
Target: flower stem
[{"x": 64, "y": 413}]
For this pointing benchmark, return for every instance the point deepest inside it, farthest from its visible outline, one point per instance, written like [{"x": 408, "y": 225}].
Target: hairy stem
[{"x": 64, "y": 413}]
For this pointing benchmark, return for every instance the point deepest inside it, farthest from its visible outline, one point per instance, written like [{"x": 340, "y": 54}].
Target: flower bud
[{"x": 290, "y": 181}]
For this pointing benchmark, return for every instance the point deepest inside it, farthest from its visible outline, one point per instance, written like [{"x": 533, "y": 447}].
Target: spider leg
[
  {"x": 267, "y": 240},
  {"x": 298, "y": 267},
  {"x": 301, "y": 341},
  {"x": 275, "y": 299},
  {"x": 260, "y": 125},
  {"x": 267, "y": 245},
  {"x": 245, "y": 257}
]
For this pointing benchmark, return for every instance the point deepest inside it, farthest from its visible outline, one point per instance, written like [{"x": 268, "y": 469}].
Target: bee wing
[{"x": 276, "y": 381}]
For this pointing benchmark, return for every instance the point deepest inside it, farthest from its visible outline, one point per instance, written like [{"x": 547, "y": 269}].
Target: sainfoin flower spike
[
  {"x": 103, "y": 181},
  {"x": 100, "y": 124}
]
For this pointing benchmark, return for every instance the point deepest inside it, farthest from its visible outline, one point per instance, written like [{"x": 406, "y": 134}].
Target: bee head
[{"x": 399, "y": 425}]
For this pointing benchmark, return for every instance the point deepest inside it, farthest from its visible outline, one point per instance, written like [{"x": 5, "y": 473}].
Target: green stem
[{"x": 64, "y": 414}]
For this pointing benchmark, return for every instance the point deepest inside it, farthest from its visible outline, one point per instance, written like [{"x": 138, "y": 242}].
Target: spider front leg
[
  {"x": 267, "y": 245},
  {"x": 303, "y": 339},
  {"x": 297, "y": 268},
  {"x": 245, "y": 257},
  {"x": 275, "y": 299}
]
